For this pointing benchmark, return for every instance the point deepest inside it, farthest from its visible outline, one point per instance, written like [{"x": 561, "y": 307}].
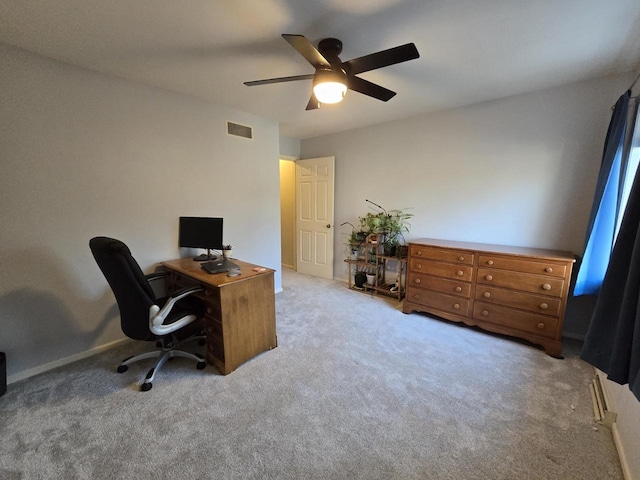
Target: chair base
[{"x": 168, "y": 351}]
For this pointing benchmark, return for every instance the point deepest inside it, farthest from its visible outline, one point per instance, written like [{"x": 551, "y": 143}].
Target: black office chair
[{"x": 169, "y": 321}]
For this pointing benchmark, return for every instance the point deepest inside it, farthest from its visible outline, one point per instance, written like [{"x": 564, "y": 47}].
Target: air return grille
[{"x": 239, "y": 130}]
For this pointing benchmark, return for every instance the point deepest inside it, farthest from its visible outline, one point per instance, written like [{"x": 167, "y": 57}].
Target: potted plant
[
  {"x": 357, "y": 235},
  {"x": 355, "y": 241},
  {"x": 359, "y": 278},
  {"x": 395, "y": 224}
]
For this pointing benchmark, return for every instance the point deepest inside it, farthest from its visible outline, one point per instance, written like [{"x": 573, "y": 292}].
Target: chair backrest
[{"x": 128, "y": 283}]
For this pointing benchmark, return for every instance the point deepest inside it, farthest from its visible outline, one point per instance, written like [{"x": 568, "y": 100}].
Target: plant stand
[{"x": 372, "y": 261}]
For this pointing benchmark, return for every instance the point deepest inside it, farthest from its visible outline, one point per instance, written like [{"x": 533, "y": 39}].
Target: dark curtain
[
  {"x": 604, "y": 211},
  {"x": 612, "y": 343}
]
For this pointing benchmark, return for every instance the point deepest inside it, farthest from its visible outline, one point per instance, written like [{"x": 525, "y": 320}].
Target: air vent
[{"x": 239, "y": 130}]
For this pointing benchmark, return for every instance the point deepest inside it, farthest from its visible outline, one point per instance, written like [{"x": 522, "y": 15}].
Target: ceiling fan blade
[
  {"x": 279, "y": 80},
  {"x": 313, "y": 102},
  {"x": 381, "y": 59},
  {"x": 371, "y": 89},
  {"x": 307, "y": 50}
]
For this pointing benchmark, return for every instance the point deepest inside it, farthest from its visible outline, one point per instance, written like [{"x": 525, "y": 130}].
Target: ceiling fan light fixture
[{"x": 329, "y": 86}]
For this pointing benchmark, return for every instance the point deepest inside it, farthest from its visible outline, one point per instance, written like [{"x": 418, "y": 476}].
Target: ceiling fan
[{"x": 333, "y": 76}]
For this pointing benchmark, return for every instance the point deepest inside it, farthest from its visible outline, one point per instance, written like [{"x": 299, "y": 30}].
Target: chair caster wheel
[
  {"x": 201, "y": 365},
  {"x": 145, "y": 387},
  {"x": 122, "y": 368}
]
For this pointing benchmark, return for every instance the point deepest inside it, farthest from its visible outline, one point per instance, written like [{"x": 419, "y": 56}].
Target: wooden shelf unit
[{"x": 371, "y": 260}]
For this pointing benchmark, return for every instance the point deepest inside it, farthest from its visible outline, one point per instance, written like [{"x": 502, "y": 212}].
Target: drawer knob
[
  {"x": 419, "y": 253},
  {"x": 419, "y": 266},
  {"x": 485, "y": 313},
  {"x": 488, "y": 277},
  {"x": 461, "y": 258},
  {"x": 456, "y": 306},
  {"x": 459, "y": 273},
  {"x": 540, "y": 325},
  {"x": 486, "y": 294},
  {"x": 417, "y": 280},
  {"x": 548, "y": 269},
  {"x": 544, "y": 306},
  {"x": 458, "y": 289},
  {"x": 416, "y": 296},
  {"x": 546, "y": 286},
  {"x": 489, "y": 262}
]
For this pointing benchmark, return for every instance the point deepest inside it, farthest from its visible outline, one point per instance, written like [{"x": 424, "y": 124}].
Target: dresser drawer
[
  {"x": 516, "y": 319},
  {"x": 446, "y": 270},
  {"x": 524, "y": 301},
  {"x": 442, "y": 255},
  {"x": 524, "y": 265},
  {"x": 438, "y": 284},
  {"x": 438, "y": 301},
  {"x": 521, "y": 281}
]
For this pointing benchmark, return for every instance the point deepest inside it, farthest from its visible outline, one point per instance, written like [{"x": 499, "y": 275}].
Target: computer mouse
[{"x": 233, "y": 273}]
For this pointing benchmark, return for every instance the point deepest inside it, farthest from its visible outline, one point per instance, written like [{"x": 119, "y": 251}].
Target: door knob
[{"x": 328, "y": 225}]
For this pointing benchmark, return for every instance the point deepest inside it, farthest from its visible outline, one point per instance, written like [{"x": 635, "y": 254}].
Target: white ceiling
[{"x": 470, "y": 50}]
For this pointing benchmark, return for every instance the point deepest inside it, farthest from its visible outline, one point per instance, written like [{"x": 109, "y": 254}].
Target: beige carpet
[{"x": 355, "y": 389}]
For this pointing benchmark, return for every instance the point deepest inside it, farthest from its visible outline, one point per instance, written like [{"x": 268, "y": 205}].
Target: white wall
[
  {"x": 290, "y": 147},
  {"x": 85, "y": 154},
  {"x": 516, "y": 171}
]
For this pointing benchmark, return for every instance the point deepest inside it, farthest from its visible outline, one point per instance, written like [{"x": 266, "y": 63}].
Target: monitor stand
[{"x": 205, "y": 257}]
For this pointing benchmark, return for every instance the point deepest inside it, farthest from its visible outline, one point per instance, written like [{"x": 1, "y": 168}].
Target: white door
[{"x": 314, "y": 216}]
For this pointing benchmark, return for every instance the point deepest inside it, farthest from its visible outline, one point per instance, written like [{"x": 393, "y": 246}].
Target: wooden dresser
[{"x": 514, "y": 291}]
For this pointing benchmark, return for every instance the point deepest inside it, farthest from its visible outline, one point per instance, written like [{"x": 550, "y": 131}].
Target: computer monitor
[{"x": 201, "y": 232}]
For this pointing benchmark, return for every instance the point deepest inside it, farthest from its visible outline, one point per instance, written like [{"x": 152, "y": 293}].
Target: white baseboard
[
  {"x": 626, "y": 470},
  {"x": 64, "y": 361}
]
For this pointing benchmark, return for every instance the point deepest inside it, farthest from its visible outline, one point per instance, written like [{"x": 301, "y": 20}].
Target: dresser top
[{"x": 489, "y": 248}]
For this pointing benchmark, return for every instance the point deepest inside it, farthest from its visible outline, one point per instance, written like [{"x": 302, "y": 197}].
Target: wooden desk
[{"x": 240, "y": 317}]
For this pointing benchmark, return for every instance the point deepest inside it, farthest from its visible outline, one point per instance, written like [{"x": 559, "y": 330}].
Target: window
[{"x": 617, "y": 173}]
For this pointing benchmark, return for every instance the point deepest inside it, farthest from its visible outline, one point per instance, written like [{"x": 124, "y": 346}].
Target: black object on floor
[{"x": 3, "y": 373}]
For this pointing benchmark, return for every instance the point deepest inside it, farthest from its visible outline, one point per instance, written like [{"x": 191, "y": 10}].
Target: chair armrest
[
  {"x": 157, "y": 316},
  {"x": 155, "y": 276}
]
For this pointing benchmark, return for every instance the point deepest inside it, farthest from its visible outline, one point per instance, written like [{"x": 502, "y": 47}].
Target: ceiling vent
[{"x": 239, "y": 130}]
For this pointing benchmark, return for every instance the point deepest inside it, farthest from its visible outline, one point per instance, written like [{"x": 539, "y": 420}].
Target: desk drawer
[
  {"x": 178, "y": 282},
  {"x": 452, "y": 287},
  {"x": 446, "y": 270},
  {"x": 441, "y": 254},
  {"x": 438, "y": 301},
  {"x": 215, "y": 338},
  {"x": 211, "y": 295}
]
